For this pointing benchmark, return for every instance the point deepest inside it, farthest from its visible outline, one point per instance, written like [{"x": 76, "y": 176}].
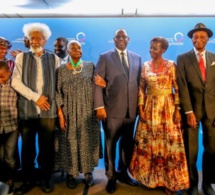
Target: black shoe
[
  {"x": 193, "y": 191},
  {"x": 10, "y": 183},
  {"x": 89, "y": 179},
  {"x": 47, "y": 186},
  {"x": 207, "y": 189},
  {"x": 25, "y": 188},
  {"x": 71, "y": 182},
  {"x": 111, "y": 186},
  {"x": 123, "y": 177}
]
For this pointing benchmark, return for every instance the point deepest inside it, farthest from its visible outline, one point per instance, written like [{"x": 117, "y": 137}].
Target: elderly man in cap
[
  {"x": 196, "y": 80},
  {"x": 5, "y": 45}
]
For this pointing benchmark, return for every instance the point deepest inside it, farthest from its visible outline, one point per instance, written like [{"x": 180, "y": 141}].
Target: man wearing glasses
[{"x": 196, "y": 81}]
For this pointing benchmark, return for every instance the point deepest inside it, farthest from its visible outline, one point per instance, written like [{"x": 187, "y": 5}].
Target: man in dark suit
[
  {"x": 116, "y": 105},
  {"x": 196, "y": 80}
]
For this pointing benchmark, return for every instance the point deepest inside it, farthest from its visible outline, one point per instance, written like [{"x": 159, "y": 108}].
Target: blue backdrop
[{"x": 96, "y": 35}]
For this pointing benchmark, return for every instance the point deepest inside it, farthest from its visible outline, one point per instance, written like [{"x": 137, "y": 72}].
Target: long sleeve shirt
[{"x": 8, "y": 108}]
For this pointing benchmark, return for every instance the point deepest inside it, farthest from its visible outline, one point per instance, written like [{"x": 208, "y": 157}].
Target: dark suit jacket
[
  {"x": 194, "y": 93},
  {"x": 119, "y": 85}
]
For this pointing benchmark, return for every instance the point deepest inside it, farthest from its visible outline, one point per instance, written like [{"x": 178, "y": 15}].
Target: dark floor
[{"x": 100, "y": 180}]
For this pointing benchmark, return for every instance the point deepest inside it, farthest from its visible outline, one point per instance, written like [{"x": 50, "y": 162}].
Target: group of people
[{"x": 59, "y": 92}]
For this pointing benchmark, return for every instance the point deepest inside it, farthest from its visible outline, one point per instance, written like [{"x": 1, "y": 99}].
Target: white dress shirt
[{"x": 20, "y": 87}]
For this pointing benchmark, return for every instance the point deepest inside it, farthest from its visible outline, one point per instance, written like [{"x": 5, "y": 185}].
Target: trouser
[
  {"x": 44, "y": 127},
  {"x": 8, "y": 150},
  {"x": 208, "y": 158},
  {"x": 115, "y": 129}
]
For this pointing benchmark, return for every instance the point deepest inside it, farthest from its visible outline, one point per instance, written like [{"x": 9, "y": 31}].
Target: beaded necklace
[
  {"x": 76, "y": 66},
  {"x": 159, "y": 68}
]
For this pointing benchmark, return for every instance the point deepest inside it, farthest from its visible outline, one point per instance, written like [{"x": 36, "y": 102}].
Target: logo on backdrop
[
  {"x": 177, "y": 39},
  {"x": 211, "y": 41},
  {"x": 18, "y": 40},
  {"x": 80, "y": 37}
]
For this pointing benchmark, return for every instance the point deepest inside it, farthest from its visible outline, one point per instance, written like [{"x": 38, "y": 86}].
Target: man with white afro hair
[
  {"x": 34, "y": 79},
  {"x": 40, "y": 27}
]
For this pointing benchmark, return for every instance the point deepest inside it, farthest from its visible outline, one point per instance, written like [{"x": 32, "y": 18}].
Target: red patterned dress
[{"x": 159, "y": 157}]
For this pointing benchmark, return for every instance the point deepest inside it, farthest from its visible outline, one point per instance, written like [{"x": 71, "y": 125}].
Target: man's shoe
[
  {"x": 25, "y": 188},
  {"x": 111, "y": 186},
  {"x": 71, "y": 182},
  {"x": 126, "y": 179},
  {"x": 193, "y": 191},
  {"x": 207, "y": 189},
  {"x": 11, "y": 187},
  {"x": 47, "y": 186},
  {"x": 89, "y": 179}
]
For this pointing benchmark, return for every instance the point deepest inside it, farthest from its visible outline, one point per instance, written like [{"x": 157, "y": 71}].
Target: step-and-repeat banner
[{"x": 96, "y": 36}]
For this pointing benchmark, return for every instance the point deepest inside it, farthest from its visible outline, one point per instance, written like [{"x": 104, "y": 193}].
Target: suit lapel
[
  {"x": 118, "y": 63},
  {"x": 209, "y": 61},
  {"x": 131, "y": 64},
  {"x": 195, "y": 63}
]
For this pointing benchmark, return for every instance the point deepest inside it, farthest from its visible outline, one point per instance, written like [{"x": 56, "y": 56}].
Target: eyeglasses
[
  {"x": 199, "y": 37},
  {"x": 36, "y": 39},
  {"x": 3, "y": 48},
  {"x": 75, "y": 49},
  {"x": 121, "y": 37}
]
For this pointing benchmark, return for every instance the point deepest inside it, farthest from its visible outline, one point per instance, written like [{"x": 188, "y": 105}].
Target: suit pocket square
[{"x": 213, "y": 64}]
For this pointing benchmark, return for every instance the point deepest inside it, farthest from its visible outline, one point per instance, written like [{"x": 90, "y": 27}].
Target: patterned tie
[
  {"x": 124, "y": 64},
  {"x": 202, "y": 67}
]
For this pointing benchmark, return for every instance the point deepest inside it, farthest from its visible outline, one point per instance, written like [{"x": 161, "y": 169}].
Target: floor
[
  {"x": 100, "y": 181},
  {"x": 98, "y": 188}
]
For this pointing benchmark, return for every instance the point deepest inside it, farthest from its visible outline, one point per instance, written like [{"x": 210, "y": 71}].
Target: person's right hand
[
  {"x": 191, "y": 120},
  {"x": 43, "y": 104},
  {"x": 62, "y": 123},
  {"x": 101, "y": 114}
]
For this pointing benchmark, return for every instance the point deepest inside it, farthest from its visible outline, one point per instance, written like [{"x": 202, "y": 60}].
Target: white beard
[{"x": 36, "y": 50}]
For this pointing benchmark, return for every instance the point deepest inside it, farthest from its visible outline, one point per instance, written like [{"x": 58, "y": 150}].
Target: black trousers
[
  {"x": 115, "y": 130},
  {"x": 8, "y": 154},
  {"x": 208, "y": 158},
  {"x": 44, "y": 127}
]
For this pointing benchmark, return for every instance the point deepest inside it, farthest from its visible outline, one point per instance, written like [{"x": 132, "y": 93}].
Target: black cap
[{"x": 200, "y": 27}]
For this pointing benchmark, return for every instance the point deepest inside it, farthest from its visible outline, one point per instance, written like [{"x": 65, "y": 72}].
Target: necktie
[
  {"x": 124, "y": 64},
  {"x": 202, "y": 67}
]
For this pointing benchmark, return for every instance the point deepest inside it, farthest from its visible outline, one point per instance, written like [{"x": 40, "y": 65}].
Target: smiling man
[
  {"x": 196, "y": 81},
  {"x": 60, "y": 49},
  {"x": 116, "y": 105},
  {"x": 34, "y": 79}
]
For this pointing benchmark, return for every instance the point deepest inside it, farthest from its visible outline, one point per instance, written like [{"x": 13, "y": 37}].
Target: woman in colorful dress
[
  {"x": 80, "y": 150},
  {"x": 159, "y": 157}
]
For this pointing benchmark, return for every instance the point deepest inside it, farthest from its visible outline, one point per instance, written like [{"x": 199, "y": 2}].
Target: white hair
[
  {"x": 71, "y": 43},
  {"x": 39, "y": 27}
]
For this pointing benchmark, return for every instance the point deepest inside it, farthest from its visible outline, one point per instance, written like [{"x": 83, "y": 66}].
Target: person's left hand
[
  {"x": 176, "y": 116},
  {"x": 14, "y": 53},
  {"x": 99, "y": 81},
  {"x": 213, "y": 123},
  {"x": 43, "y": 103}
]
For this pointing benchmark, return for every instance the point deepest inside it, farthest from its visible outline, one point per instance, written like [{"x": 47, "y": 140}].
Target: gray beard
[{"x": 36, "y": 50}]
